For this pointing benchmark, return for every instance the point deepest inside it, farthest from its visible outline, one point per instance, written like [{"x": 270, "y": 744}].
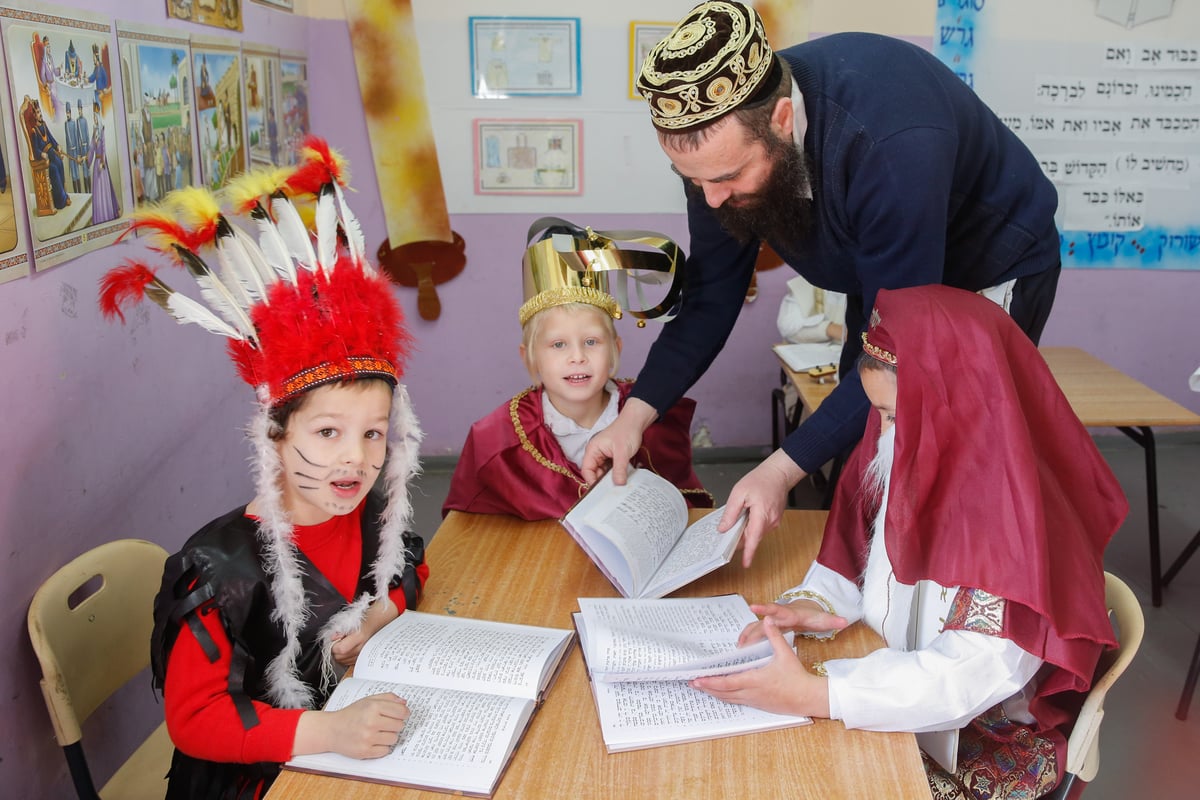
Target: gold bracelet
[{"x": 805, "y": 594}]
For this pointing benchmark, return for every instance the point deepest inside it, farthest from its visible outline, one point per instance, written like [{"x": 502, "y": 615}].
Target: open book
[
  {"x": 806, "y": 355},
  {"x": 639, "y": 537},
  {"x": 640, "y": 655},
  {"x": 472, "y": 687}
]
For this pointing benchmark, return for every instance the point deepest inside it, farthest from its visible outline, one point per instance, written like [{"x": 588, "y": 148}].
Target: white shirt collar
[{"x": 573, "y": 437}]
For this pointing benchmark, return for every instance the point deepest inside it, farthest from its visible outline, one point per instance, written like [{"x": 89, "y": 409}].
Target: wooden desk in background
[
  {"x": 505, "y": 569},
  {"x": 1102, "y": 397}
]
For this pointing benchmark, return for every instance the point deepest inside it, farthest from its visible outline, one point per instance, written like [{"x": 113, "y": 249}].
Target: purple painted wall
[{"x": 111, "y": 432}]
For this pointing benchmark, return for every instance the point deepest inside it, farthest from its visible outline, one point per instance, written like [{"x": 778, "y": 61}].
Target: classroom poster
[
  {"x": 14, "y": 250},
  {"x": 220, "y": 134},
  {"x": 260, "y": 71},
  {"x": 61, "y": 76},
  {"x": 156, "y": 68},
  {"x": 1107, "y": 96},
  {"x": 293, "y": 104},
  {"x": 217, "y": 13}
]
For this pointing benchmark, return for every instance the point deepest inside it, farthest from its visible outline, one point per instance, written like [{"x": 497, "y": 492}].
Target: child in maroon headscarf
[{"x": 968, "y": 530}]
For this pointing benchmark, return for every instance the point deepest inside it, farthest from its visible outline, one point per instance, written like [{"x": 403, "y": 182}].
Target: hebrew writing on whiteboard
[{"x": 1107, "y": 96}]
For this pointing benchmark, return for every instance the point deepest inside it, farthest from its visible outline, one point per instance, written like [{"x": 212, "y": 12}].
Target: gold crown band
[
  {"x": 878, "y": 353},
  {"x": 568, "y": 294}
]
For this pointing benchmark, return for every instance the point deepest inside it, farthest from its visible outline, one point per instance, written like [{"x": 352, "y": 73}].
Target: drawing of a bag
[{"x": 522, "y": 156}]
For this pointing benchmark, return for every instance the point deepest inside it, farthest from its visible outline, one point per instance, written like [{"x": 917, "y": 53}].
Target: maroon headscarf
[{"x": 996, "y": 485}]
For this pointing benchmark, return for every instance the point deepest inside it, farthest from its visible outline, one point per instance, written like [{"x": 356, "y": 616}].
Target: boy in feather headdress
[{"x": 264, "y": 606}]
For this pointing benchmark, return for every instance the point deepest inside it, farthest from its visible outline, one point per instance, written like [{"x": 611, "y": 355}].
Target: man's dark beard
[{"x": 779, "y": 212}]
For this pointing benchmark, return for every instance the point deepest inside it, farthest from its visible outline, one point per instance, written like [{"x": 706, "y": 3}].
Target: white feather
[
  {"x": 275, "y": 250},
  {"x": 354, "y": 234},
  {"x": 295, "y": 235},
  {"x": 185, "y": 310},
  {"x": 239, "y": 254},
  {"x": 327, "y": 225},
  {"x": 219, "y": 298}
]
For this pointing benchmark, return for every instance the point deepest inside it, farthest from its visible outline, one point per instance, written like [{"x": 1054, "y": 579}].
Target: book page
[
  {"x": 807, "y": 355},
  {"x": 637, "y": 715},
  {"x": 452, "y": 740},
  {"x": 642, "y": 519},
  {"x": 671, "y": 639},
  {"x": 460, "y": 653},
  {"x": 700, "y": 550}
]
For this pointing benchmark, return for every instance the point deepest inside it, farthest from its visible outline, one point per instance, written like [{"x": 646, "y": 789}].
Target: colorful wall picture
[
  {"x": 218, "y": 98},
  {"x": 225, "y": 14},
  {"x": 293, "y": 105},
  {"x": 156, "y": 79},
  {"x": 260, "y": 71},
  {"x": 61, "y": 73},
  {"x": 519, "y": 156},
  {"x": 14, "y": 249}
]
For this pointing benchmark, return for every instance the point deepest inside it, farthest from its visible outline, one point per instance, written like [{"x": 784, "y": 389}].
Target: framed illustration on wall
[
  {"x": 514, "y": 56},
  {"x": 156, "y": 70},
  {"x": 525, "y": 156},
  {"x": 61, "y": 73},
  {"x": 642, "y": 38},
  {"x": 225, "y": 14}
]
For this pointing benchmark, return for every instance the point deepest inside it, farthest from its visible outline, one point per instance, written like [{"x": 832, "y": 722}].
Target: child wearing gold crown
[
  {"x": 264, "y": 607},
  {"x": 523, "y": 458}
]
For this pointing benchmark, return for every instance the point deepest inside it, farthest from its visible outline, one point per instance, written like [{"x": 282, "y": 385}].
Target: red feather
[
  {"x": 124, "y": 285},
  {"x": 321, "y": 165},
  {"x": 171, "y": 233}
]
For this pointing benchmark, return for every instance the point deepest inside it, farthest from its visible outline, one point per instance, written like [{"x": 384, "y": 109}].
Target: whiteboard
[{"x": 1106, "y": 93}]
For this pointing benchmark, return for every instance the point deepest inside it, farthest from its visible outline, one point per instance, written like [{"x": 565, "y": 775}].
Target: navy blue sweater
[{"x": 915, "y": 181}]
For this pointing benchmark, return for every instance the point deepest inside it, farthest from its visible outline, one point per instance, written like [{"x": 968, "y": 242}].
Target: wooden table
[
  {"x": 810, "y": 393},
  {"x": 1102, "y": 397},
  {"x": 501, "y": 568}
]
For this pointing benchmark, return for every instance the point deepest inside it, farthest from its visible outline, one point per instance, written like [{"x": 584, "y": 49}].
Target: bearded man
[{"x": 866, "y": 164}]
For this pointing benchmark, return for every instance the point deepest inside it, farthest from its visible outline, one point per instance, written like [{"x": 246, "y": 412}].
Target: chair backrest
[
  {"x": 1083, "y": 746},
  {"x": 90, "y": 624}
]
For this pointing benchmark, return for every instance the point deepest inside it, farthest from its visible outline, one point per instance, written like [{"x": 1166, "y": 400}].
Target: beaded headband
[{"x": 716, "y": 59}]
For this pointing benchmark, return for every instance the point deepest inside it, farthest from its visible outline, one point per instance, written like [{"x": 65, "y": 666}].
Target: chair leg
[
  {"x": 1189, "y": 685},
  {"x": 81, "y": 776}
]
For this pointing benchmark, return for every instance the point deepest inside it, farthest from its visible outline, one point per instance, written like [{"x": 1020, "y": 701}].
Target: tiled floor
[{"x": 1145, "y": 751}]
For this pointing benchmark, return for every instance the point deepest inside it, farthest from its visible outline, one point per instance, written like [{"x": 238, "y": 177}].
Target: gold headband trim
[
  {"x": 568, "y": 294},
  {"x": 878, "y": 353}
]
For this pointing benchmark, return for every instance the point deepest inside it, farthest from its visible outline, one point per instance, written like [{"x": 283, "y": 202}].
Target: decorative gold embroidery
[
  {"x": 818, "y": 668},
  {"x": 528, "y": 447}
]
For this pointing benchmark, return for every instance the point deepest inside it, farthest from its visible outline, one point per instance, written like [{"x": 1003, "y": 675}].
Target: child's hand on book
[
  {"x": 367, "y": 728},
  {"x": 783, "y": 686},
  {"x": 800, "y": 616},
  {"x": 347, "y": 646}
]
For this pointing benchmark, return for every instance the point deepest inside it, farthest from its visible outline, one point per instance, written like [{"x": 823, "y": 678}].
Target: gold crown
[{"x": 570, "y": 264}]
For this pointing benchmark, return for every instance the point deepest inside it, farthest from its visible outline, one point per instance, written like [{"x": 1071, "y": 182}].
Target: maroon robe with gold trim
[{"x": 512, "y": 463}]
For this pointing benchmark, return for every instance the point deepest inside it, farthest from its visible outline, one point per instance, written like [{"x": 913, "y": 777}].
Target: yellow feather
[
  {"x": 194, "y": 206},
  {"x": 248, "y": 188}
]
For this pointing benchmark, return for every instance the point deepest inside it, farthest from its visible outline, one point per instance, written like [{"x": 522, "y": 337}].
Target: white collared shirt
[{"x": 573, "y": 437}]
